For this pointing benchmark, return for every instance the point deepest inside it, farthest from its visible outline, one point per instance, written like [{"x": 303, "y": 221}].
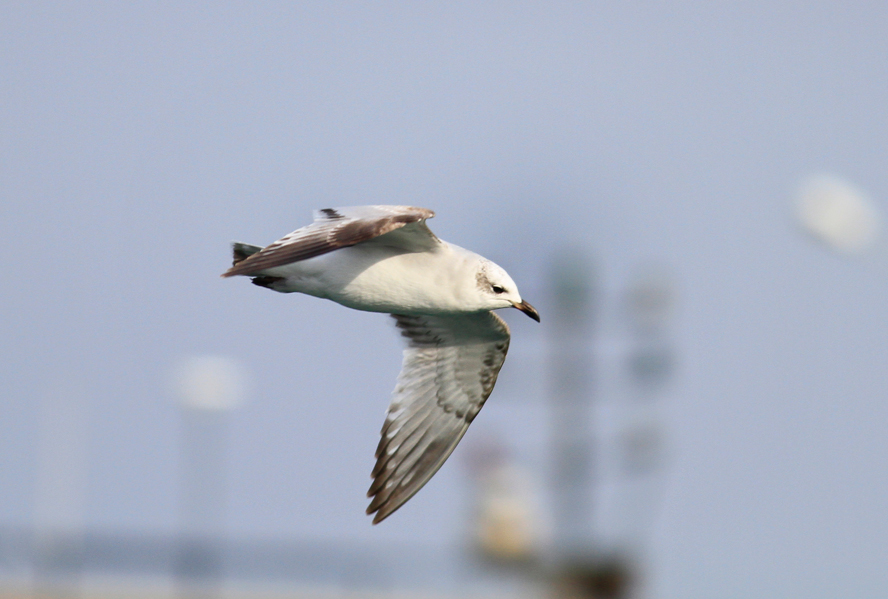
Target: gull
[{"x": 442, "y": 297}]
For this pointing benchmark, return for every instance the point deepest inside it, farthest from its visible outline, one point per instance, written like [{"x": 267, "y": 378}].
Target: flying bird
[{"x": 442, "y": 297}]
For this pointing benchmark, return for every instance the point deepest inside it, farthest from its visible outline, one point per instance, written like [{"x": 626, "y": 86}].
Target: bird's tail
[{"x": 242, "y": 251}]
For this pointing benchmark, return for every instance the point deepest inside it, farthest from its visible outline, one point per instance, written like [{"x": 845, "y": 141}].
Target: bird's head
[{"x": 500, "y": 291}]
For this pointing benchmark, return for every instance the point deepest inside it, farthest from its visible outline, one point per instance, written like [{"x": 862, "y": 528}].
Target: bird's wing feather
[
  {"x": 334, "y": 228},
  {"x": 450, "y": 367}
]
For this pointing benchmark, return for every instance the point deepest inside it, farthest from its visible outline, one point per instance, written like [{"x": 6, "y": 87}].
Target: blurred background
[{"x": 692, "y": 195}]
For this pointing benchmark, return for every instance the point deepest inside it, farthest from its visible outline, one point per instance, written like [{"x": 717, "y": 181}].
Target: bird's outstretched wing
[
  {"x": 334, "y": 228},
  {"x": 449, "y": 369}
]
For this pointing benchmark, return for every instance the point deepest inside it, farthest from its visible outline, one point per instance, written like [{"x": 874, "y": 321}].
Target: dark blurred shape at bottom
[{"x": 603, "y": 577}]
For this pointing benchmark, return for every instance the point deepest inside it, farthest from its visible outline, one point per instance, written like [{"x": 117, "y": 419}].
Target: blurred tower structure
[
  {"x": 588, "y": 565},
  {"x": 649, "y": 306},
  {"x": 571, "y": 397}
]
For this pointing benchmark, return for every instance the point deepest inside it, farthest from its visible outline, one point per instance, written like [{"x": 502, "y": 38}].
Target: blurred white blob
[
  {"x": 507, "y": 527},
  {"x": 212, "y": 383},
  {"x": 507, "y": 522},
  {"x": 837, "y": 213}
]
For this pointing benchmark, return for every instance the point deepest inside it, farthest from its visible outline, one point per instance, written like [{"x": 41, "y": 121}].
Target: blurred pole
[
  {"x": 210, "y": 387},
  {"x": 570, "y": 363},
  {"x": 60, "y": 492},
  {"x": 203, "y": 485}
]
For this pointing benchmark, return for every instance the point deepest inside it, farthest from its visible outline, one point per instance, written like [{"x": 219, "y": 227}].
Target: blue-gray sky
[{"x": 138, "y": 140}]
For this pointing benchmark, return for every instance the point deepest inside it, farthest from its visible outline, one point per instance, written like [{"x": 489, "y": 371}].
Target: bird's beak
[{"x": 529, "y": 310}]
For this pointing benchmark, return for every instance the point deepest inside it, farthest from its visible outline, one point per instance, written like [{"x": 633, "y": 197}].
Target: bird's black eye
[{"x": 497, "y": 289}]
